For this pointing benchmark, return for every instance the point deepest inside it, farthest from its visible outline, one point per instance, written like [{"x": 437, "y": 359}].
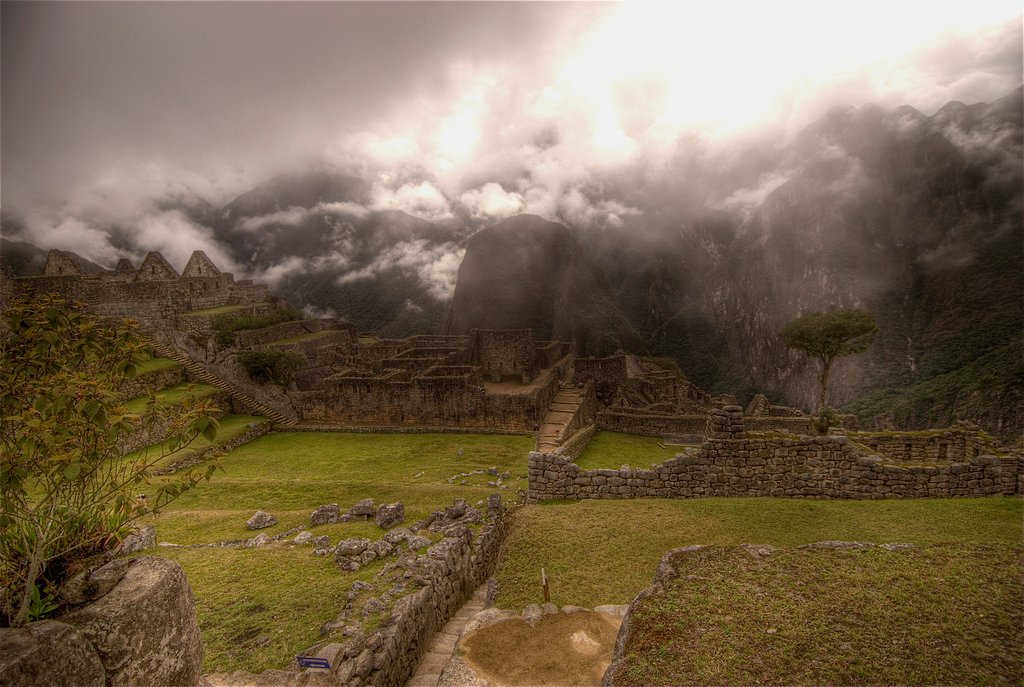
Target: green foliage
[
  {"x": 265, "y": 366},
  {"x": 68, "y": 494},
  {"x": 225, "y": 326},
  {"x": 829, "y": 335},
  {"x": 826, "y": 418}
]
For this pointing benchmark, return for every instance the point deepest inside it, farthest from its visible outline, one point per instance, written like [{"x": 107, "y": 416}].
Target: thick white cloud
[
  {"x": 436, "y": 266},
  {"x": 491, "y": 201}
]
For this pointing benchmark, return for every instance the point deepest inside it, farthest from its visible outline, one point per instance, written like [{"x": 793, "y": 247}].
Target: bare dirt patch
[{"x": 563, "y": 649}]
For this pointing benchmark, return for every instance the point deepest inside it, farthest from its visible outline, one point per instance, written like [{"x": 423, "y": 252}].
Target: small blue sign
[{"x": 313, "y": 662}]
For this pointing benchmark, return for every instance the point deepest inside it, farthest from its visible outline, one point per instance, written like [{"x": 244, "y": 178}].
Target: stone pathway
[
  {"x": 563, "y": 406},
  {"x": 442, "y": 646}
]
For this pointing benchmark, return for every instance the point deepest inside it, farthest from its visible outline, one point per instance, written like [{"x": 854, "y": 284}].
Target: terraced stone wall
[{"x": 730, "y": 463}]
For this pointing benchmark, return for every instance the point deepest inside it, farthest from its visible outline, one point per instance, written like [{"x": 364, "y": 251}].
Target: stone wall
[
  {"x": 505, "y": 352},
  {"x": 632, "y": 421},
  {"x": 924, "y": 447},
  {"x": 611, "y": 370},
  {"x": 731, "y": 464},
  {"x": 141, "y": 632},
  {"x": 450, "y": 572}
]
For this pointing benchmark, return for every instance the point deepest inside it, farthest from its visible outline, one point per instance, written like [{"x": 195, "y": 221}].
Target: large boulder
[
  {"x": 49, "y": 653},
  {"x": 327, "y": 514},
  {"x": 144, "y": 630},
  {"x": 390, "y": 514}
]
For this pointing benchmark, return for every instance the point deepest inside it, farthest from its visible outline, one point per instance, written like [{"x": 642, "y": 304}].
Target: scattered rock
[
  {"x": 322, "y": 545},
  {"x": 397, "y": 536},
  {"x": 382, "y": 548},
  {"x": 456, "y": 510},
  {"x": 327, "y": 514},
  {"x": 549, "y": 608},
  {"x": 390, "y": 514},
  {"x": 532, "y": 614},
  {"x": 573, "y": 609},
  {"x": 261, "y": 520},
  {"x": 304, "y": 537},
  {"x": 258, "y": 540},
  {"x": 367, "y": 556},
  {"x": 346, "y": 563},
  {"x": 139, "y": 539},
  {"x": 417, "y": 542},
  {"x": 32, "y": 652},
  {"x": 363, "y": 509},
  {"x": 486, "y": 618},
  {"x": 352, "y": 547},
  {"x": 584, "y": 643}
]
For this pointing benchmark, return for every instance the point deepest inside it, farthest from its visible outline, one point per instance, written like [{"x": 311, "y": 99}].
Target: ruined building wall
[
  {"x": 505, "y": 352},
  {"x": 730, "y": 463}
]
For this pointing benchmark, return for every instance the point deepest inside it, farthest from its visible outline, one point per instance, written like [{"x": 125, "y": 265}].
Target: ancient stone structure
[
  {"x": 142, "y": 632},
  {"x": 488, "y": 380},
  {"x": 732, "y": 463}
]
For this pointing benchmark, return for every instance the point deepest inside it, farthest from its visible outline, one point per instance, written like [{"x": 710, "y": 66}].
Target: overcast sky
[{"x": 109, "y": 104}]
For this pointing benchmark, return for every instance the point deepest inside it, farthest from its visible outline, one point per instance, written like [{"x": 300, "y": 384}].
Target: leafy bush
[
  {"x": 265, "y": 366},
  {"x": 67, "y": 492}
]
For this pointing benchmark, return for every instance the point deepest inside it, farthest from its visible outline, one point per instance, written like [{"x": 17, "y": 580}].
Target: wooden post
[{"x": 544, "y": 584}]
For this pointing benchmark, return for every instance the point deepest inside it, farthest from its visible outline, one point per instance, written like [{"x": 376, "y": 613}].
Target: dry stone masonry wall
[{"x": 731, "y": 463}]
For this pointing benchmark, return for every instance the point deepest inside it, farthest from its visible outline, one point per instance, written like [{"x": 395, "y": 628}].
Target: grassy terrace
[
  {"x": 948, "y": 614},
  {"x": 224, "y": 310},
  {"x": 229, "y": 427},
  {"x": 309, "y": 336},
  {"x": 600, "y": 552},
  {"x": 258, "y": 607},
  {"x": 171, "y": 395},
  {"x": 155, "y": 365},
  {"x": 612, "y": 450}
]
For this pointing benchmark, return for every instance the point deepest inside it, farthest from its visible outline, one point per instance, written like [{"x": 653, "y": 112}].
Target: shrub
[
  {"x": 265, "y": 366},
  {"x": 67, "y": 492}
]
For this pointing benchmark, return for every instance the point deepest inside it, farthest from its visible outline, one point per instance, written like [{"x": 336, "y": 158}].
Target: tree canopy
[{"x": 828, "y": 335}]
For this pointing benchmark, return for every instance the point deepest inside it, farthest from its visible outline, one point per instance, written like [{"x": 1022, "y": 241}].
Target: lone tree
[
  {"x": 68, "y": 492},
  {"x": 829, "y": 335}
]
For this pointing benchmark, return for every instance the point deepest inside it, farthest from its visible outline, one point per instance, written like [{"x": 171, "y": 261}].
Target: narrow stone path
[
  {"x": 442, "y": 646},
  {"x": 562, "y": 409}
]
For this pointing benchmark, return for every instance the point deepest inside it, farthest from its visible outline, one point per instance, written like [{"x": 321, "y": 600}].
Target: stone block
[{"x": 48, "y": 652}]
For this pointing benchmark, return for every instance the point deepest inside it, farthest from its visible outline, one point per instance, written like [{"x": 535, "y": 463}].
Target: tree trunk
[
  {"x": 35, "y": 567},
  {"x": 826, "y": 366}
]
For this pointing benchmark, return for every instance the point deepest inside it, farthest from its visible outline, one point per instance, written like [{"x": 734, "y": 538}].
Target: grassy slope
[
  {"x": 946, "y": 614},
  {"x": 599, "y": 552},
  {"x": 170, "y": 395},
  {"x": 155, "y": 364},
  {"x": 258, "y": 607}
]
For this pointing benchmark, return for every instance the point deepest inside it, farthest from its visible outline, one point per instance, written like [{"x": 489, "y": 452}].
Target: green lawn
[
  {"x": 290, "y": 474},
  {"x": 613, "y": 450},
  {"x": 603, "y": 551}
]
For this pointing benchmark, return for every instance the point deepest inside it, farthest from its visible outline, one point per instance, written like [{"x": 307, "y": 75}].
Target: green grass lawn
[
  {"x": 155, "y": 364},
  {"x": 172, "y": 394},
  {"x": 948, "y": 614},
  {"x": 600, "y": 552},
  {"x": 289, "y": 474},
  {"x": 613, "y": 450}
]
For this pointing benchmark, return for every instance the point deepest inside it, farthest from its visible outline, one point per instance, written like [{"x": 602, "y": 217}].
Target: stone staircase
[
  {"x": 442, "y": 646},
  {"x": 199, "y": 372},
  {"x": 563, "y": 407}
]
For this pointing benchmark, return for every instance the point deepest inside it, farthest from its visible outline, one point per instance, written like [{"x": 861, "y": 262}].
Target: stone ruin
[{"x": 488, "y": 380}]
